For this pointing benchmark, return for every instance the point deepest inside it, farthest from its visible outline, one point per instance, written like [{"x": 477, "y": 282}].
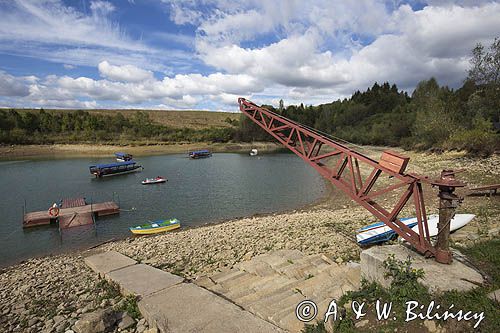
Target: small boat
[
  {"x": 156, "y": 180},
  {"x": 380, "y": 232},
  {"x": 156, "y": 227},
  {"x": 457, "y": 222},
  {"x": 111, "y": 169},
  {"x": 123, "y": 157},
  {"x": 200, "y": 154},
  {"x": 253, "y": 152}
]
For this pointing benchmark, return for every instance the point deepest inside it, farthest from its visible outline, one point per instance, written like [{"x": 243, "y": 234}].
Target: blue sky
[{"x": 203, "y": 54}]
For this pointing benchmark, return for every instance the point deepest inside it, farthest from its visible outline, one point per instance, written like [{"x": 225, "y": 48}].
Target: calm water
[{"x": 197, "y": 192}]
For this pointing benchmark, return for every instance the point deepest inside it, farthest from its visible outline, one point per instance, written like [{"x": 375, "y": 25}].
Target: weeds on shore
[
  {"x": 130, "y": 306},
  {"x": 106, "y": 290},
  {"x": 44, "y": 307}
]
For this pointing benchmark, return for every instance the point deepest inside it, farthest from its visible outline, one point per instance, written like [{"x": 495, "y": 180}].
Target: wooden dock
[{"x": 73, "y": 213}]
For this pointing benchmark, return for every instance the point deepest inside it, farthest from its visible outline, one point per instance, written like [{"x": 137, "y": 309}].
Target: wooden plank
[
  {"x": 75, "y": 220},
  {"x": 394, "y": 161},
  {"x": 73, "y": 202},
  {"x": 486, "y": 187}
]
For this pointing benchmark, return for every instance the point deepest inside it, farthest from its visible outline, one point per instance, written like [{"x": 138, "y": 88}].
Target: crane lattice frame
[{"x": 310, "y": 144}]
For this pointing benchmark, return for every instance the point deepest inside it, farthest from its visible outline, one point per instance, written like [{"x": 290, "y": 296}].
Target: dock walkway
[{"x": 73, "y": 213}]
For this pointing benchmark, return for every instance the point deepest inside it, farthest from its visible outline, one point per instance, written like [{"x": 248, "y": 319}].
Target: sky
[{"x": 204, "y": 54}]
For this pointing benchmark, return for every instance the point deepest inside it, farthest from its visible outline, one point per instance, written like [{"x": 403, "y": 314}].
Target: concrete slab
[
  {"x": 438, "y": 277},
  {"x": 142, "y": 280},
  {"x": 106, "y": 262},
  {"x": 188, "y": 308}
]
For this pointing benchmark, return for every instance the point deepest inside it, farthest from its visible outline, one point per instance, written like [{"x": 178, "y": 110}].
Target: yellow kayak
[{"x": 156, "y": 227}]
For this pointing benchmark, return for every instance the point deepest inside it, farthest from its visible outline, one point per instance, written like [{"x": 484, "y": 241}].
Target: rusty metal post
[{"x": 448, "y": 202}]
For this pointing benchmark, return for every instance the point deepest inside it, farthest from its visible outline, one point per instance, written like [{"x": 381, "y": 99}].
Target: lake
[{"x": 222, "y": 187}]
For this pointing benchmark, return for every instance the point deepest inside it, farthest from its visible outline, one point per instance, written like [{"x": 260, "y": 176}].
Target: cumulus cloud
[
  {"x": 12, "y": 86},
  {"x": 127, "y": 73},
  {"x": 121, "y": 85},
  {"x": 300, "y": 51},
  {"x": 406, "y": 47}
]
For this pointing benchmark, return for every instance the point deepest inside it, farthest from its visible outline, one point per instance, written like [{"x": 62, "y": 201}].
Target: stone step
[
  {"x": 249, "y": 287},
  {"x": 297, "y": 271},
  {"x": 278, "y": 285},
  {"x": 269, "y": 306},
  {"x": 256, "y": 267},
  {"x": 288, "y": 320},
  {"x": 227, "y": 275},
  {"x": 188, "y": 308},
  {"x": 241, "y": 279}
]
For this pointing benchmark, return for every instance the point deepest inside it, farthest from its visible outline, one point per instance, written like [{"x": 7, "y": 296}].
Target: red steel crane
[{"x": 317, "y": 148}]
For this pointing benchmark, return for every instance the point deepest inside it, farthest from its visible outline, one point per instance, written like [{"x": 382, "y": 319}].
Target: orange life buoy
[{"x": 53, "y": 211}]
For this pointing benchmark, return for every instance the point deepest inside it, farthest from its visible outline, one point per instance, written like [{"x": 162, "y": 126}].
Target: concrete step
[
  {"x": 188, "y": 308},
  {"x": 268, "y": 307},
  {"x": 239, "y": 280},
  {"x": 277, "y": 286},
  {"x": 226, "y": 275},
  {"x": 249, "y": 287},
  {"x": 256, "y": 267}
]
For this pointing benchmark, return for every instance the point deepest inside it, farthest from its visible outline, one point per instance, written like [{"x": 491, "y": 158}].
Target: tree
[{"x": 485, "y": 64}]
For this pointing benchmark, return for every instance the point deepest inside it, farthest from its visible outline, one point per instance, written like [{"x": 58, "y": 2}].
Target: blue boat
[
  {"x": 380, "y": 232},
  {"x": 111, "y": 169},
  {"x": 123, "y": 157},
  {"x": 200, "y": 154}
]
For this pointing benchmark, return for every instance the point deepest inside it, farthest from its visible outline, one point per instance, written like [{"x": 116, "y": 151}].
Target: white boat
[
  {"x": 253, "y": 152},
  {"x": 156, "y": 180},
  {"x": 457, "y": 222},
  {"x": 380, "y": 232}
]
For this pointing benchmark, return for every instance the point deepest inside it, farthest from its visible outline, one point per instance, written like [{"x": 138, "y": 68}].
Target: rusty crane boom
[{"x": 344, "y": 172}]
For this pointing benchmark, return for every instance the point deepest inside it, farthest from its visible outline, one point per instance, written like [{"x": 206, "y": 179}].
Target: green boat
[{"x": 156, "y": 227}]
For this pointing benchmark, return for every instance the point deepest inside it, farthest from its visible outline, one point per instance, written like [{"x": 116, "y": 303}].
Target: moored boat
[
  {"x": 156, "y": 180},
  {"x": 380, "y": 232},
  {"x": 200, "y": 154},
  {"x": 156, "y": 227},
  {"x": 111, "y": 169},
  {"x": 123, "y": 157},
  {"x": 253, "y": 152}
]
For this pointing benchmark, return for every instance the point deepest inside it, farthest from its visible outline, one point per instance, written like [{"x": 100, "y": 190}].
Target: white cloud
[
  {"x": 101, "y": 7},
  {"x": 122, "y": 85},
  {"x": 12, "y": 86},
  {"x": 408, "y": 46},
  {"x": 54, "y": 31},
  {"x": 49, "y": 21},
  {"x": 301, "y": 51},
  {"x": 126, "y": 73}
]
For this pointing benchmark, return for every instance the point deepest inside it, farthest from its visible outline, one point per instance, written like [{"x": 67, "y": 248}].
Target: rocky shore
[{"x": 61, "y": 294}]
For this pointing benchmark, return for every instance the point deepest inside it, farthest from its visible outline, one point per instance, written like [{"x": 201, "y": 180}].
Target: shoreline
[
  {"x": 316, "y": 204},
  {"x": 13, "y": 152}
]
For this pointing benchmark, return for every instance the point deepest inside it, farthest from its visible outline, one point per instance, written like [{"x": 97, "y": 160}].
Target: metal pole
[{"x": 448, "y": 202}]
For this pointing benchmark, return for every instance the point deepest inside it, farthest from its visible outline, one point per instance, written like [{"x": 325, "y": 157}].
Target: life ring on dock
[{"x": 54, "y": 211}]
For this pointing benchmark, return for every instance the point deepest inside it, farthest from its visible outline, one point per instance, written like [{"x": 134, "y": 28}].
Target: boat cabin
[
  {"x": 101, "y": 170},
  {"x": 200, "y": 154}
]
